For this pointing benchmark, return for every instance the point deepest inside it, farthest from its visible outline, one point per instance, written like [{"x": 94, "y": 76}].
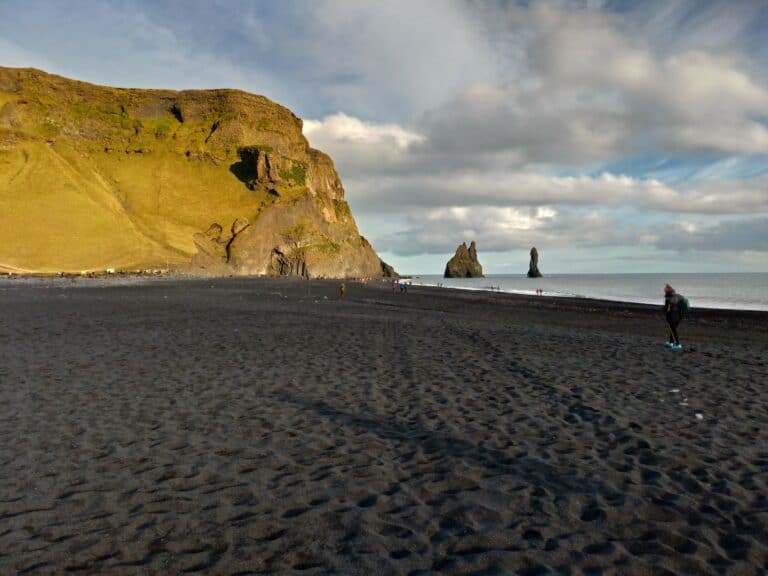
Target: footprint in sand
[{"x": 368, "y": 501}]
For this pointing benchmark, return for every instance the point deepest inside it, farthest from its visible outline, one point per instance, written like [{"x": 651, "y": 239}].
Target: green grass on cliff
[
  {"x": 297, "y": 173},
  {"x": 67, "y": 210},
  {"x": 94, "y": 177}
]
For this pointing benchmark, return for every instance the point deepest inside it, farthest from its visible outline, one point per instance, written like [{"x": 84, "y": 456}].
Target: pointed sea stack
[
  {"x": 464, "y": 263},
  {"x": 533, "y": 266}
]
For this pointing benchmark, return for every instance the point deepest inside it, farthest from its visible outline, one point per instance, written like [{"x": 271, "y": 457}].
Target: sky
[{"x": 615, "y": 136}]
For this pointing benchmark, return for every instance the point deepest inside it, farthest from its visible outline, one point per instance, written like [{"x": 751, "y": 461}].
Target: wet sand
[{"x": 263, "y": 426}]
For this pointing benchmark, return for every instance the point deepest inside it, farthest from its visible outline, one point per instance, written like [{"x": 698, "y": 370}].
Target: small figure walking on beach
[
  {"x": 673, "y": 311},
  {"x": 394, "y": 284},
  {"x": 342, "y": 290}
]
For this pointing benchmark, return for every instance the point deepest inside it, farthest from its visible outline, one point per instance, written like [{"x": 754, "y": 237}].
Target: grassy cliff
[{"x": 94, "y": 177}]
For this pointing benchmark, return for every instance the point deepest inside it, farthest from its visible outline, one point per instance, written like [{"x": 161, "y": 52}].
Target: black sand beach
[{"x": 263, "y": 426}]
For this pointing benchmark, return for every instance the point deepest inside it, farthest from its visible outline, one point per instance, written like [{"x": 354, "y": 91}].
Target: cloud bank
[{"x": 516, "y": 162}]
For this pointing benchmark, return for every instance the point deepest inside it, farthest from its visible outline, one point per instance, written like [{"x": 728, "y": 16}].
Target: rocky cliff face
[
  {"x": 212, "y": 181},
  {"x": 533, "y": 265},
  {"x": 464, "y": 263}
]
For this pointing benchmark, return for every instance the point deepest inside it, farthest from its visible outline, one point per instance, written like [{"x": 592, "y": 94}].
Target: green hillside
[{"x": 94, "y": 177}]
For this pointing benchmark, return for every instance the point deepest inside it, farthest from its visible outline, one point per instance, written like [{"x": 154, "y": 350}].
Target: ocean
[{"x": 732, "y": 291}]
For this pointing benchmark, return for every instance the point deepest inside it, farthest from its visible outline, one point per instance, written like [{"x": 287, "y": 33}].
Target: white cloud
[
  {"x": 708, "y": 103},
  {"x": 438, "y": 230},
  {"x": 750, "y": 234},
  {"x": 364, "y": 149},
  {"x": 511, "y": 209},
  {"x": 386, "y": 176},
  {"x": 592, "y": 90},
  {"x": 398, "y": 55},
  {"x": 342, "y": 128},
  {"x": 584, "y": 47}
]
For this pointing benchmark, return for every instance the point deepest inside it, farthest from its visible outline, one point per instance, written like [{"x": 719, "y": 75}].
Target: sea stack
[
  {"x": 533, "y": 266},
  {"x": 464, "y": 263}
]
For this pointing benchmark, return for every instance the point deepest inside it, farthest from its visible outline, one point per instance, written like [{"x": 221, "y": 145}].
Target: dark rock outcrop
[
  {"x": 388, "y": 271},
  {"x": 533, "y": 266},
  {"x": 464, "y": 263},
  {"x": 213, "y": 247}
]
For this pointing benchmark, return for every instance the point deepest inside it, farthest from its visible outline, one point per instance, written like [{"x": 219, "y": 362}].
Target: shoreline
[
  {"x": 554, "y": 294},
  {"x": 105, "y": 280},
  {"x": 586, "y": 298}
]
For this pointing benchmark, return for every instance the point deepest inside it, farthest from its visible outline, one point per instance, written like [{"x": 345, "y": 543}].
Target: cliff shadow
[
  {"x": 497, "y": 462},
  {"x": 245, "y": 172},
  {"x": 246, "y": 168}
]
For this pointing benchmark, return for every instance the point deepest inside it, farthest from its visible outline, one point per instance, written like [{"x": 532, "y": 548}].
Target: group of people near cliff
[{"x": 402, "y": 284}]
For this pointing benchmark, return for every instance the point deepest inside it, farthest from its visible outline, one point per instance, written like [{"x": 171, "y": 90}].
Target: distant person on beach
[
  {"x": 673, "y": 315},
  {"x": 342, "y": 289},
  {"x": 394, "y": 285}
]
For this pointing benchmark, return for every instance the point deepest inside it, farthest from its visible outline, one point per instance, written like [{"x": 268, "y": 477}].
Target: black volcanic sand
[{"x": 263, "y": 426}]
